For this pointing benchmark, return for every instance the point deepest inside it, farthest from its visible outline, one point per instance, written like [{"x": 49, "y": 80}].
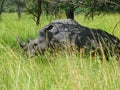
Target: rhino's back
[
  {"x": 95, "y": 39},
  {"x": 64, "y": 21}
]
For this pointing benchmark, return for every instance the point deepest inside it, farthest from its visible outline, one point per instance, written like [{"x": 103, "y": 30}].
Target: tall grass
[{"x": 59, "y": 71}]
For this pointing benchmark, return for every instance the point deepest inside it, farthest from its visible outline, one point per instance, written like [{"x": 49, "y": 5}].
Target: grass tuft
[{"x": 59, "y": 71}]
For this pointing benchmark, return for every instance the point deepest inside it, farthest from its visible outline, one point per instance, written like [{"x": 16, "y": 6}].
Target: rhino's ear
[
  {"x": 50, "y": 27},
  {"x": 22, "y": 44}
]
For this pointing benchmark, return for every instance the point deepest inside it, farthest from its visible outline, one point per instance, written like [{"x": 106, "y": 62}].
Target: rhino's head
[{"x": 33, "y": 47}]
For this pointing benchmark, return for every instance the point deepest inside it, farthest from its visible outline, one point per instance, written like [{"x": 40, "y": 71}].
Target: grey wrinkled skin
[{"x": 67, "y": 31}]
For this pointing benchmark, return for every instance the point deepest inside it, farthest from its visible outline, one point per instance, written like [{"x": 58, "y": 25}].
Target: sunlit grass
[{"x": 59, "y": 71}]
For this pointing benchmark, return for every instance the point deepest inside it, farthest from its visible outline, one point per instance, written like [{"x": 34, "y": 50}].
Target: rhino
[{"x": 67, "y": 32}]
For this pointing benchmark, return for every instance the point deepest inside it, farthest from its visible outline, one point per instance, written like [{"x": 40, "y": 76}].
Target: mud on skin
[{"x": 68, "y": 31}]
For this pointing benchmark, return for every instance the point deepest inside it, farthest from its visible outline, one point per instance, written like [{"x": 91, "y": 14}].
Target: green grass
[{"x": 62, "y": 71}]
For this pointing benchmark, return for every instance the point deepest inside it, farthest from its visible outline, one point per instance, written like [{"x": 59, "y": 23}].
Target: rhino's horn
[
  {"x": 22, "y": 44},
  {"x": 28, "y": 40}
]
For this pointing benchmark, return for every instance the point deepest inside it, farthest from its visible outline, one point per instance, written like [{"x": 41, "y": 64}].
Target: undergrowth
[{"x": 59, "y": 71}]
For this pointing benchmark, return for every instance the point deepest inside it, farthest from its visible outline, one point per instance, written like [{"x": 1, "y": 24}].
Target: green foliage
[
  {"x": 32, "y": 7},
  {"x": 11, "y": 5},
  {"x": 62, "y": 70},
  {"x": 114, "y": 6}
]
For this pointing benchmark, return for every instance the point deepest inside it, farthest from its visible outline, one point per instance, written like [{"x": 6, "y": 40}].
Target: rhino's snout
[
  {"x": 34, "y": 48},
  {"x": 30, "y": 53}
]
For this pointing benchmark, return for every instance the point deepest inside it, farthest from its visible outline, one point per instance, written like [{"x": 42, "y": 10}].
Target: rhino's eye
[{"x": 35, "y": 44}]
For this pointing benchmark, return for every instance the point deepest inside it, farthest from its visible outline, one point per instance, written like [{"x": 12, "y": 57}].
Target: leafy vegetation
[
  {"x": 54, "y": 7},
  {"x": 62, "y": 70}
]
